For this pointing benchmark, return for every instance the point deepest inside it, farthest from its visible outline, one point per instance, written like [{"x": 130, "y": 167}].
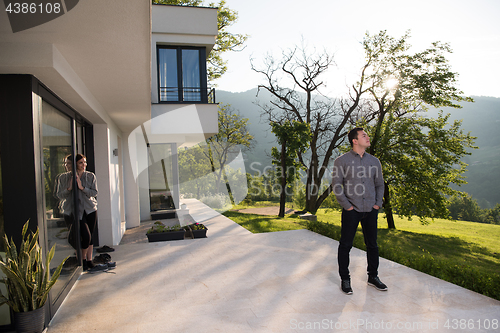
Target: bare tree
[{"x": 303, "y": 101}]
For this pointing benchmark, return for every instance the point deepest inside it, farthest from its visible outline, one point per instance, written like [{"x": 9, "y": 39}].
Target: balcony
[
  {"x": 186, "y": 95},
  {"x": 190, "y": 118}
]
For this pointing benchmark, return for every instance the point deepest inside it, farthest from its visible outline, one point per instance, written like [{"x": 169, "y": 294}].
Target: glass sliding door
[
  {"x": 4, "y": 309},
  {"x": 2, "y": 229},
  {"x": 160, "y": 177},
  {"x": 57, "y": 146}
]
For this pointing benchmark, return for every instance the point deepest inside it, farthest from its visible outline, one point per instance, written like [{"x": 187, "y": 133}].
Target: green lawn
[
  {"x": 464, "y": 253},
  {"x": 262, "y": 223}
]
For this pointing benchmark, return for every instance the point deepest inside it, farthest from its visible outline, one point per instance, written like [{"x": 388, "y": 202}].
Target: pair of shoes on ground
[
  {"x": 104, "y": 249},
  {"x": 373, "y": 281},
  {"x": 97, "y": 268},
  {"x": 101, "y": 267},
  {"x": 103, "y": 258}
]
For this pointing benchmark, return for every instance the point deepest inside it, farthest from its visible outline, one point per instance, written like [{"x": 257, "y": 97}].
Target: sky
[{"x": 471, "y": 27}]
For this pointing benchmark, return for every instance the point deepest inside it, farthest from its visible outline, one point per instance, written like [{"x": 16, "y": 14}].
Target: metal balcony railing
[{"x": 187, "y": 95}]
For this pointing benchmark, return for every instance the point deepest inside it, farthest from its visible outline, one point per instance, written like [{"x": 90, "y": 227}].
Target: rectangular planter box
[
  {"x": 166, "y": 236},
  {"x": 202, "y": 233}
]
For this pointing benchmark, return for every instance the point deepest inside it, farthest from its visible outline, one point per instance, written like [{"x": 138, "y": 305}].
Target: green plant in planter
[
  {"x": 197, "y": 226},
  {"x": 27, "y": 277},
  {"x": 159, "y": 227},
  {"x": 198, "y": 230}
]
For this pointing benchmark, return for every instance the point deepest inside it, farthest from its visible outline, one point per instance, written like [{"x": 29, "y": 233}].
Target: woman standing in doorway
[{"x": 87, "y": 208}]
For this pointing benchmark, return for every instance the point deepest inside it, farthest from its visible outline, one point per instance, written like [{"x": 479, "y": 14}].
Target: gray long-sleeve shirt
[
  {"x": 358, "y": 181},
  {"x": 86, "y": 197}
]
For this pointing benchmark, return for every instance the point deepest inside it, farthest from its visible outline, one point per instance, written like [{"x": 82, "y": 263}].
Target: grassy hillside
[{"x": 481, "y": 119}]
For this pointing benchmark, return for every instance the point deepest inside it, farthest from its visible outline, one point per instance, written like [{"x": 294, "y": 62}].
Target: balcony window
[{"x": 182, "y": 74}]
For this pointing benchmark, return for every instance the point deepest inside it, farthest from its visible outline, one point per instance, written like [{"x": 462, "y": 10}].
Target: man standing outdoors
[{"x": 358, "y": 184}]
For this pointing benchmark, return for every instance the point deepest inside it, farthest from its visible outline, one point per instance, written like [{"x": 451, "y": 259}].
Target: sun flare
[{"x": 391, "y": 83}]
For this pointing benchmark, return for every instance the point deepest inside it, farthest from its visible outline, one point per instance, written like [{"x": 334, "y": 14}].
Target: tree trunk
[
  {"x": 323, "y": 196},
  {"x": 229, "y": 192},
  {"x": 311, "y": 202},
  {"x": 388, "y": 208},
  {"x": 312, "y": 189},
  {"x": 283, "y": 180}
]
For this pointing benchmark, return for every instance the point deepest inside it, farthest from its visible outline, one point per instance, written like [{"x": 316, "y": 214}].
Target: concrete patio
[{"x": 236, "y": 281}]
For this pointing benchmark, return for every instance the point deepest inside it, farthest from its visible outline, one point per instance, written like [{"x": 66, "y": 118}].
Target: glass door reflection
[{"x": 58, "y": 178}]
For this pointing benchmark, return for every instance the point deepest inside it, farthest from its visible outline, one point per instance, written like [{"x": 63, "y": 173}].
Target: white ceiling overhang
[{"x": 96, "y": 57}]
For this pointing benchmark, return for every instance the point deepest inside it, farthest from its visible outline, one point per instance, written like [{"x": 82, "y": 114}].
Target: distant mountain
[
  {"x": 481, "y": 119},
  {"x": 244, "y": 104}
]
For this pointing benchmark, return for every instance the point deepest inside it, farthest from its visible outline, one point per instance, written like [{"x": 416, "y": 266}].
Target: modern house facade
[{"x": 122, "y": 82}]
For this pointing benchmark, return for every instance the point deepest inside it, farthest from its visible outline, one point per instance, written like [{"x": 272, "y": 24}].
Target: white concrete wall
[
  {"x": 101, "y": 154},
  {"x": 143, "y": 180},
  {"x": 182, "y": 20},
  {"x": 136, "y": 175},
  {"x": 184, "y": 124},
  {"x": 111, "y": 226},
  {"x": 131, "y": 184},
  {"x": 114, "y": 186}
]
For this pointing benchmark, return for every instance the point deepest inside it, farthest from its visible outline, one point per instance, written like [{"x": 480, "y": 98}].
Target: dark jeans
[
  {"x": 350, "y": 221},
  {"x": 87, "y": 225}
]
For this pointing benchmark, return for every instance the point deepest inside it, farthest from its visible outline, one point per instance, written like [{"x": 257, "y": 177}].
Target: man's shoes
[
  {"x": 346, "y": 286},
  {"x": 97, "y": 268},
  {"x": 375, "y": 282}
]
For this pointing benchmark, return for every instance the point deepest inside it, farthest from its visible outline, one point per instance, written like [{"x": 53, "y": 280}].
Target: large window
[{"x": 182, "y": 74}]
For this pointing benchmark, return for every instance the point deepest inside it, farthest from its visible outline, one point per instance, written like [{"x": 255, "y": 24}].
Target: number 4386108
[
  {"x": 471, "y": 324},
  {"x": 33, "y": 8}
]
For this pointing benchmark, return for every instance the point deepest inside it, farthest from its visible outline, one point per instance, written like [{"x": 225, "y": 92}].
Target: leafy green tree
[
  {"x": 225, "y": 41},
  {"x": 294, "y": 138},
  {"x": 203, "y": 168},
  {"x": 256, "y": 190},
  {"x": 492, "y": 215},
  {"x": 420, "y": 158},
  {"x": 263, "y": 187},
  {"x": 271, "y": 183},
  {"x": 464, "y": 207},
  {"x": 226, "y": 144},
  {"x": 418, "y": 154},
  {"x": 194, "y": 172}
]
